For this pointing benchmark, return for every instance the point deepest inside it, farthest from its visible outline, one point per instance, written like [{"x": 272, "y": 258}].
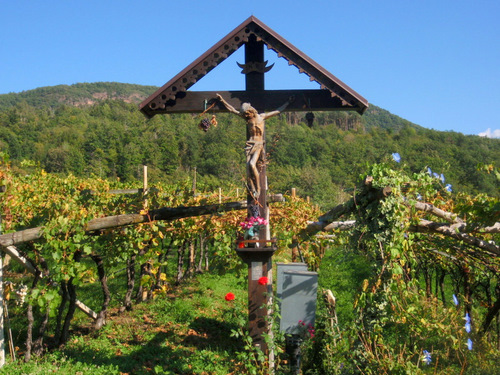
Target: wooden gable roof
[{"x": 174, "y": 97}]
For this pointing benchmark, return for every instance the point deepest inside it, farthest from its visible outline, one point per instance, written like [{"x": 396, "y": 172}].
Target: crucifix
[
  {"x": 256, "y": 256},
  {"x": 333, "y": 95},
  {"x": 255, "y": 145},
  {"x": 258, "y": 252}
]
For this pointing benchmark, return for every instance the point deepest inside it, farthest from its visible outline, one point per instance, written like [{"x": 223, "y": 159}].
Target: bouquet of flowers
[{"x": 252, "y": 225}]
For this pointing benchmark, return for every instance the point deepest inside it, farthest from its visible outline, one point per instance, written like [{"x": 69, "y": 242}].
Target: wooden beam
[
  {"x": 166, "y": 213},
  {"x": 26, "y": 263},
  {"x": 254, "y": 53},
  {"x": 265, "y": 100}
]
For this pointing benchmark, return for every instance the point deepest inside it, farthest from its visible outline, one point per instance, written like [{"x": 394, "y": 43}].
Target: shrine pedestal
[{"x": 259, "y": 261}]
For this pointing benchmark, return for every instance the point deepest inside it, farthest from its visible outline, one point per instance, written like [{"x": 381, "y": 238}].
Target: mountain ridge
[
  {"x": 88, "y": 94},
  {"x": 96, "y": 129},
  {"x": 78, "y": 94}
]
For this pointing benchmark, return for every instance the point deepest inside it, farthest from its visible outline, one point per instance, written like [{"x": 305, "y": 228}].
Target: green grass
[
  {"x": 186, "y": 331},
  {"x": 343, "y": 273}
]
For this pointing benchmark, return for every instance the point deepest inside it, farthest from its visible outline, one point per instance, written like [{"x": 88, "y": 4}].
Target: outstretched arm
[
  {"x": 278, "y": 110},
  {"x": 228, "y": 106}
]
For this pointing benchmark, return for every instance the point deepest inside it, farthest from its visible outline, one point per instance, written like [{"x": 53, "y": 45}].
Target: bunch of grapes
[
  {"x": 254, "y": 210},
  {"x": 204, "y": 125},
  {"x": 21, "y": 294}
]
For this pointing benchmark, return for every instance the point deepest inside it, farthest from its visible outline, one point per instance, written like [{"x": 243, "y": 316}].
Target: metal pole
[{"x": 292, "y": 348}]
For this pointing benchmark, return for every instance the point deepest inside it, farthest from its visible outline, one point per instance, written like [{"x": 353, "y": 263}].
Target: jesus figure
[{"x": 254, "y": 148}]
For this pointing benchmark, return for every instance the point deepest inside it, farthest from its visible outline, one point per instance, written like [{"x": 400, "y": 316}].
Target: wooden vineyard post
[
  {"x": 145, "y": 178},
  {"x": 2, "y": 337},
  {"x": 194, "y": 181},
  {"x": 145, "y": 185}
]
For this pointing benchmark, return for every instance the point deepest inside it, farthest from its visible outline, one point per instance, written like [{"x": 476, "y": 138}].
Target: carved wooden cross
[{"x": 333, "y": 95}]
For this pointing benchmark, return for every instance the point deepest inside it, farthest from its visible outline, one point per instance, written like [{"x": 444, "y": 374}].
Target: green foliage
[
  {"x": 377, "y": 271},
  {"x": 78, "y": 94},
  {"x": 190, "y": 331},
  {"x": 380, "y": 272},
  {"x": 96, "y": 130},
  {"x": 63, "y": 206}
]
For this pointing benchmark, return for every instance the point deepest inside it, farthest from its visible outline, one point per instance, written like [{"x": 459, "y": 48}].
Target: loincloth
[{"x": 251, "y": 147}]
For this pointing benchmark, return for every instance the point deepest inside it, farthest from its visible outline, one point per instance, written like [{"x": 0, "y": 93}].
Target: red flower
[
  {"x": 229, "y": 297},
  {"x": 241, "y": 245},
  {"x": 263, "y": 280}
]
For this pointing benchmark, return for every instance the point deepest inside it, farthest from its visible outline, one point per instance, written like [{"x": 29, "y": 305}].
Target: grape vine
[
  {"x": 432, "y": 254},
  {"x": 65, "y": 255}
]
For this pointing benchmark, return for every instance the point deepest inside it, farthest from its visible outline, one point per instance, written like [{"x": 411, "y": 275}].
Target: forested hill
[
  {"x": 96, "y": 129},
  {"x": 79, "y": 94},
  {"x": 85, "y": 94}
]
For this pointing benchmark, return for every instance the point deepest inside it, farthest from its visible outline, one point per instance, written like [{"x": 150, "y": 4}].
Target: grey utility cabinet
[{"x": 297, "y": 292}]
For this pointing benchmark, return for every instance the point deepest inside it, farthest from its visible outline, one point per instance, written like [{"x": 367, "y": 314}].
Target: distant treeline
[{"x": 97, "y": 129}]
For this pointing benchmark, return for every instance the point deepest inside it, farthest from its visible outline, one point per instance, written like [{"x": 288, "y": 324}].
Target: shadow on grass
[
  {"x": 142, "y": 361},
  {"x": 211, "y": 333},
  {"x": 167, "y": 352}
]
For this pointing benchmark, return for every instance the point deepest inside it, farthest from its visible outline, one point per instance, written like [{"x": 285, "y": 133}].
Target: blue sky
[{"x": 435, "y": 63}]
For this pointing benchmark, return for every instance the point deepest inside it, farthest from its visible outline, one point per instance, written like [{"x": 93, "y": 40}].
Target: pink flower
[
  {"x": 246, "y": 224},
  {"x": 253, "y": 221},
  {"x": 229, "y": 297},
  {"x": 261, "y": 221},
  {"x": 311, "y": 330},
  {"x": 263, "y": 280}
]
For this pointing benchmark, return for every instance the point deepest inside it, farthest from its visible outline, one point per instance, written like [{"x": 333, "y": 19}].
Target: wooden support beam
[
  {"x": 166, "y": 213},
  {"x": 262, "y": 100},
  {"x": 2, "y": 336},
  {"x": 259, "y": 261},
  {"x": 26, "y": 263},
  {"x": 254, "y": 54}
]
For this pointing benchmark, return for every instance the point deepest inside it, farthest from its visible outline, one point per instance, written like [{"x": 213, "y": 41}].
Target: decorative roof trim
[{"x": 166, "y": 96}]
